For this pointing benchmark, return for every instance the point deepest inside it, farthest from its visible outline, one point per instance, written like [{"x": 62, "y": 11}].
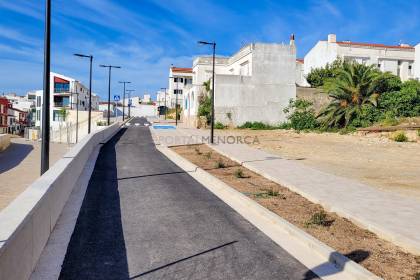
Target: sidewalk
[{"x": 390, "y": 216}]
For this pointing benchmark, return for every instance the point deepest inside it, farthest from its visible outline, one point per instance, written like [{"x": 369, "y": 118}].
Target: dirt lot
[
  {"x": 371, "y": 159},
  {"x": 379, "y": 256}
]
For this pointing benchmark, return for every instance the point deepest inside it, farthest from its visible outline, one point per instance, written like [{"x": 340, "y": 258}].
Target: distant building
[
  {"x": 66, "y": 94},
  {"x": 4, "y": 105},
  {"x": 146, "y": 98},
  {"x": 300, "y": 75},
  {"x": 397, "y": 59},
  {"x": 180, "y": 80},
  {"x": 17, "y": 120},
  {"x": 254, "y": 84},
  {"x": 417, "y": 62}
]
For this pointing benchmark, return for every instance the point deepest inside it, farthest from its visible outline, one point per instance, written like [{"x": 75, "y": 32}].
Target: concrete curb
[{"x": 320, "y": 258}]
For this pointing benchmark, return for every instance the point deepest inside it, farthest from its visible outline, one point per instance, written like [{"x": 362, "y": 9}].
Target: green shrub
[
  {"x": 204, "y": 107},
  {"x": 301, "y": 115},
  {"x": 219, "y": 125},
  {"x": 402, "y": 103},
  {"x": 197, "y": 150},
  {"x": 219, "y": 164},
  {"x": 257, "y": 126},
  {"x": 239, "y": 173},
  {"x": 418, "y": 132},
  {"x": 400, "y": 137},
  {"x": 318, "y": 218},
  {"x": 318, "y": 76},
  {"x": 208, "y": 155},
  {"x": 417, "y": 276}
]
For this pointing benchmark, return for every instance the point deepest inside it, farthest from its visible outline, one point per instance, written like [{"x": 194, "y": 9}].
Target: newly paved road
[{"x": 144, "y": 218}]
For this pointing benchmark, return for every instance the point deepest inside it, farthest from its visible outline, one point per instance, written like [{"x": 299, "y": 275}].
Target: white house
[
  {"x": 417, "y": 62},
  {"x": 397, "y": 59},
  {"x": 254, "y": 84},
  {"x": 65, "y": 93},
  {"x": 180, "y": 80}
]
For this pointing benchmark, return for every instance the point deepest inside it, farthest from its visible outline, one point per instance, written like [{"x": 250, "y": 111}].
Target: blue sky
[{"x": 146, "y": 36}]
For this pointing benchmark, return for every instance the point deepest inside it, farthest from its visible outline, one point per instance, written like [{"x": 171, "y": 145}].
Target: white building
[
  {"x": 255, "y": 84},
  {"x": 397, "y": 59},
  {"x": 180, "y": 81},
  {"x": 146, "y": 98},
  {"x": 65, "y": 93},
  {"x": 417, "y": 62}
]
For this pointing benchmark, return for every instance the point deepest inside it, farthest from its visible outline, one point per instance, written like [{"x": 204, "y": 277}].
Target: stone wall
[
  {"x": 319, "y": 98},
  {"x": 4, "y": 142}
]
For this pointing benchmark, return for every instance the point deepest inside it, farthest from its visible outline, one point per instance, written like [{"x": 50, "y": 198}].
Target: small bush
[
  {"x": 318, "y": 218},
  {"x": 301, "y": 115},
  {"x": 239, "y": 173},
  {"x": 400, "y": 137},
  {"x": 418, "y": 132},
  {"x": 272, "y": 192},
  {"x": 208, "y": 155},
  {"x": 257, "y": 126},
  {"x": 220, "y": 164},
  {"x": 101, "y": 123},
  {"x": 197, "y": 150},
  {"x": 219, "y": 125},
  {"x": 417, "y": 276}
]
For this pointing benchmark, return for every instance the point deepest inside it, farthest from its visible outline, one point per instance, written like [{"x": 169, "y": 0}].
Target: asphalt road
[{"x": 144, "y": 218}]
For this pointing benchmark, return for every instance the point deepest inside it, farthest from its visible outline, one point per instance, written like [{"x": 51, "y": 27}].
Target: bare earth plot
[
  {"x": 20, "y": 166},
  {"x": 378, "y": 162}
]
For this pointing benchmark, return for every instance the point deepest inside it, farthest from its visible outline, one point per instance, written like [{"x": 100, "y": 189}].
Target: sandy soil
[
  {"x": 20, "y": 166},
  {"x": 374, "y": 160},
  {"x": 379, "y": 256}
]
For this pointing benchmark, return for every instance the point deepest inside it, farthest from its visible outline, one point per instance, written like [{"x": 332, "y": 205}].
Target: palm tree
[{"x": 353, "y": 86}]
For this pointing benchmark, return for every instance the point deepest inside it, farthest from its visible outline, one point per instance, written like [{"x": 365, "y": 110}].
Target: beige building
[
  {"x": 180, "y": 81},
  {"x": 397, "y": 59}
]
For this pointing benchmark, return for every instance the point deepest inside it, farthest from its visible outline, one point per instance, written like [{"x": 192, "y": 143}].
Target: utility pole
[
  {"x": 124, "y": 82},
  {"x": 45, "y": 145},
  {"x": 165, "y": 101},
  {"x": 109, "y": 88},
  {"x": 90, "y": 88},
  {"x": 213, "y": 44}
]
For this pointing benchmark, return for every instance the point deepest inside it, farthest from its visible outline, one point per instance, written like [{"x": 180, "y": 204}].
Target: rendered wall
[
  {"x": 417, "y": 62},
  {"x": 262, "y": 96}
]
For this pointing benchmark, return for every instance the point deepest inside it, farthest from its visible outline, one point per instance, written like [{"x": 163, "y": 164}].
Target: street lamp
[
  {"x": 213, "y": 44},
  {"x": 109, "y": 87},
  {"x": 164, "y": 88},
  {"x": 176, "y": 99},
  {"x": 124, "y": 82},
  {"x": 129, "y": 99},
  {"x": 45, "y": 145},
  {"x": 90, "y": 87}
]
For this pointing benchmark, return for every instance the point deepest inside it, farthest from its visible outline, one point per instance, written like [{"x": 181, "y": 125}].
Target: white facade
[
  {"x": 180, "y": 81},
  {"x": 146, "y": 98},
  {"x": 398, "y": 60},
  {"x": 65, "y": 93},
  {"x": 255, "y": 84},
  {"x": 417, "y": 62}
]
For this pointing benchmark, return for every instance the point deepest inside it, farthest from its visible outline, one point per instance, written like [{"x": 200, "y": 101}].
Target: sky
[{"x": 145, "y": 37}]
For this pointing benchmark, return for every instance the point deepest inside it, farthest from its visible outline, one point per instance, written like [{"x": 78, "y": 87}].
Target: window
[
  {"x": 178, "y": 80},
  {"x": 410, "y": 69},
  {"x": 177, "y": 91},
  {"x": 188, "y": 81},
  {"x": 38, "y": 101},
  {"x": 61, "y": 87}
]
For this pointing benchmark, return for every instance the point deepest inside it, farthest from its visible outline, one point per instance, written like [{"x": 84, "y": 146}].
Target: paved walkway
[
  {"x": 20, "y": 166},
  {"x": 393, "y": 217},
  {"x": 145, "y": 218}
]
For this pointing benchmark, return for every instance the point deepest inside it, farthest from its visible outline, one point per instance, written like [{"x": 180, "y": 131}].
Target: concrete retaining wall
[
  {"x": 4, "y": 142},
  {"x": 26, "y": 223}
]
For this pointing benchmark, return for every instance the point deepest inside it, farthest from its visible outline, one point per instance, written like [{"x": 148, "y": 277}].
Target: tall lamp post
[
  {"x": 45, "y": 145},
  {"x": 124, "y": 82},
  {"x": 164, "y": 88},
  {"x": 176, "y": 99},
  {"x": 109, "y": 87},
  {"x": 90, "y": 87},
  {"x": 213, "y": 44},
  {"x": 129, "y": 103}
]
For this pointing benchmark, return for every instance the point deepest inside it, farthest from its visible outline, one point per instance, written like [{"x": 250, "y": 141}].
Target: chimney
[
  {"x": 292, "y": 39},
  {"x": 332, "y": 38}
]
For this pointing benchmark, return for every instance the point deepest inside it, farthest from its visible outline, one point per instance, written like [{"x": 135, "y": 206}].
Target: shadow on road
[
  {"x": 14, "y": 155},
  {"x": 97, "y": 247},
  {"x": 183, "y": 259},
  {"x": 324, "y": 269}
]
